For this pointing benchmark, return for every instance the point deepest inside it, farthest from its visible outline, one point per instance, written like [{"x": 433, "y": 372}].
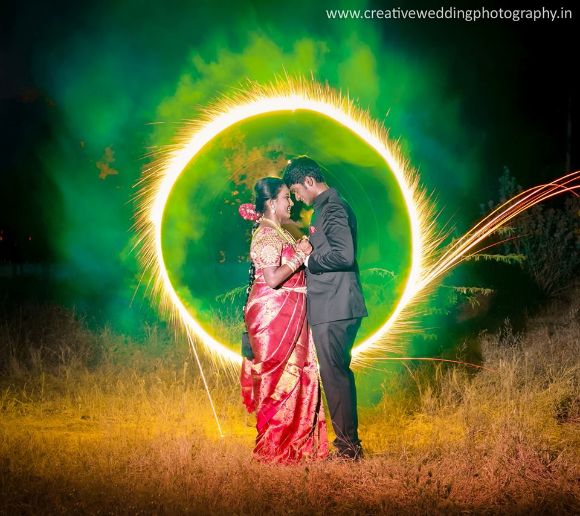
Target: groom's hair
[{"x": 301, "y": 167}]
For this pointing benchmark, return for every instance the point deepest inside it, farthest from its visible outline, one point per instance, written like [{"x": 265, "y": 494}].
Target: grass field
[{"x": 97, "y": 423}]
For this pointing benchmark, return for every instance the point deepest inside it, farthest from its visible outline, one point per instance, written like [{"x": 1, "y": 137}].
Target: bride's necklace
[{"x": 281, "y": 231}]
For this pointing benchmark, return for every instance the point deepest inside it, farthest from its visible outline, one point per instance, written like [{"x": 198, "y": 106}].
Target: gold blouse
[{"x": 266, "y": 247}]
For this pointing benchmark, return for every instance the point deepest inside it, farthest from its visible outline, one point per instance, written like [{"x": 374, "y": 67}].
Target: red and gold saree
[{"x": 281, "y": 384}]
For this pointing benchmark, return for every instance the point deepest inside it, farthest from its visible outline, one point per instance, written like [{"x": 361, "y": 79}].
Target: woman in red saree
[{"x": 281, "y": 383}]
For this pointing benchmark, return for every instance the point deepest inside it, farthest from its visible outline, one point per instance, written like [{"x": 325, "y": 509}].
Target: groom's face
[{"x": 304, "y": 192}]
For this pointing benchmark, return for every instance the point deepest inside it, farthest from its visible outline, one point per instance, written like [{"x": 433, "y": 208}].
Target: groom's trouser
[{"x": 333, "y": 342}]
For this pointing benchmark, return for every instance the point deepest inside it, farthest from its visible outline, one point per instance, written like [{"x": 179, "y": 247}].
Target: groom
[{"x": 335, "y": 301}]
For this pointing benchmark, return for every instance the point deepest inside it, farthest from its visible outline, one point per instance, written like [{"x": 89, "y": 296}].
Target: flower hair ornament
[{"x": 248, "y": 212}]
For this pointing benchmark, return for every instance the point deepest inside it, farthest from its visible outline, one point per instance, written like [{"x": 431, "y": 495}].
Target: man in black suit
[{"x": 335, "y": 301}]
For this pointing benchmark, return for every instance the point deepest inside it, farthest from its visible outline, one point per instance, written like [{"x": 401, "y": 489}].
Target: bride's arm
[{"x": 275, "y": 276}]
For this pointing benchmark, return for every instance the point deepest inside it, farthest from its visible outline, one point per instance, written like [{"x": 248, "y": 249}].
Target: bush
[{"x": 546, "y": 235}]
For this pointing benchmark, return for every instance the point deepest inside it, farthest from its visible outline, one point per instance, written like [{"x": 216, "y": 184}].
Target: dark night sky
[{"x": 516, "y": 81}]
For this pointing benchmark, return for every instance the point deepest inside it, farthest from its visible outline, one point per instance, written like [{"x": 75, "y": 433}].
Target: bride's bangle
[
  {"x": 300, "y": 254},
  {"x": 296, "y": 261}
]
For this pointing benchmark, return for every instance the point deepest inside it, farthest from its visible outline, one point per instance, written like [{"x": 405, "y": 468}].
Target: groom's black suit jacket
[{"x": 334, "y": 290}]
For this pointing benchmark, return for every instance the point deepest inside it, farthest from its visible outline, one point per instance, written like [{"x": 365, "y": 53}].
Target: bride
[{"x": 281, "y": 381}]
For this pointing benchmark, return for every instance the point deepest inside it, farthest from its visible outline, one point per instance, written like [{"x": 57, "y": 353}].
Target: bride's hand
[{"x": 304, "y": 245}]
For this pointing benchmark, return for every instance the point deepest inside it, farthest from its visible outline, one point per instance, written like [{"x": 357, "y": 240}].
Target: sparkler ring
[{"x": 283, "y": 96}]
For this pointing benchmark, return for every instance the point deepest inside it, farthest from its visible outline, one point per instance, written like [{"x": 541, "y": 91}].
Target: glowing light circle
[{"x": 316, "y": 99}]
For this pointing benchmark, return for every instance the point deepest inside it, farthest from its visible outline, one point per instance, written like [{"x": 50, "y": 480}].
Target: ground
[{"x": 96, "y": 423}]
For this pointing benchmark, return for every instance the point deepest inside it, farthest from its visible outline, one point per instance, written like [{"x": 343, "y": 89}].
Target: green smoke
[{"x": 125, "y": 80}]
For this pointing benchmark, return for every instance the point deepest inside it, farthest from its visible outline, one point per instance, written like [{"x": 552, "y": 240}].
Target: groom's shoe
[{"x": 351, "y": 453}]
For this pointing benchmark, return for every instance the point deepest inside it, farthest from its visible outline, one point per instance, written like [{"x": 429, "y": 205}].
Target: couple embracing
[{"x": 302, "y": 314}]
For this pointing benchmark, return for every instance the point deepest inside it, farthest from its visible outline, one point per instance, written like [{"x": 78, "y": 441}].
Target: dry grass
[{"x": 96, "y": 423}]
